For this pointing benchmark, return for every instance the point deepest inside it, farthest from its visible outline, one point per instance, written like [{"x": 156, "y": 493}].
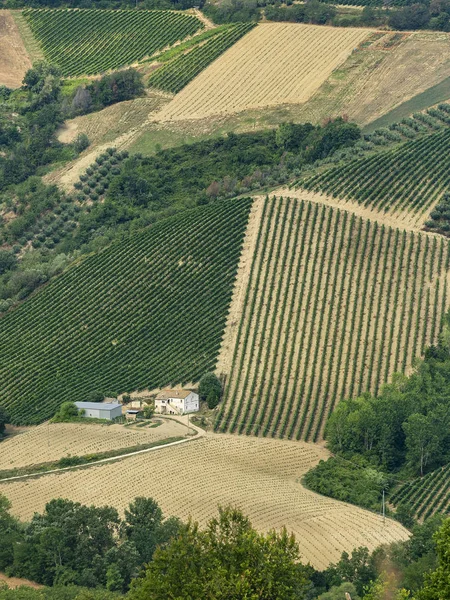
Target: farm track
[
  {"x": 335, "y": 304},
  {"x": 222, "y": 469}
]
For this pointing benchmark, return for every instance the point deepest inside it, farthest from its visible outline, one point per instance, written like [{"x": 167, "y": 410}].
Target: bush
[{"x": 81, "y": 143}]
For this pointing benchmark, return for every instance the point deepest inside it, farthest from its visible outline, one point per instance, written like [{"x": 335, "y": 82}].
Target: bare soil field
[
  {"x": 275, "y": 63},
  {"x": 334, "y": 304},
  {"x": 15, "y": 582},
  {"x": 262, "y": 477},
  {"x": 14, "y": 60},
  {"x": 51, "y": 441}
]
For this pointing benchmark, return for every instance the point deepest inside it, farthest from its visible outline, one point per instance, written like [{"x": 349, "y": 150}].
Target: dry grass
[
  {"x": 260, "y": 476},
  {"x": 276, "y": 63},
  {"x": 334, "y": 305},
  {"x": 51, "y": 441},
  {"x": 14, "y": 60}
]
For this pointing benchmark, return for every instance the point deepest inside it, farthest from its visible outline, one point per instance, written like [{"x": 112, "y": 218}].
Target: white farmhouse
[{"x": 176, "y": 402}]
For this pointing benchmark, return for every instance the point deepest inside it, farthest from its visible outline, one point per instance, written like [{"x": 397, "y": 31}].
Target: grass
[{"x": 437, "y": 93}]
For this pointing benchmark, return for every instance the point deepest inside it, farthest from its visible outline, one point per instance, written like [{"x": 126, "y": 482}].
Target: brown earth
[{"x": 14, "y": 60}]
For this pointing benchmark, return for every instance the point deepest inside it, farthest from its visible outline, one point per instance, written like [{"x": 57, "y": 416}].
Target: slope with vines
[
  {"x": 91, "y": 41},
  {"x": 427, "y": 495},
  {"x": 146, "y": 312},
  {"x": 334, "y": 305}
]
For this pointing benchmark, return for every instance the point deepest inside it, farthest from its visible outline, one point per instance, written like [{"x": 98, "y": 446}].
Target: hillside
[
  {"x": 383, "y": 181},
  {"x": 426, "y": 496},
  {"x": 146, "y": 312},
  {"x": 91, "y": 41},
  {"x": 14, "y": 59},
  {"x": 327, "y": 305},
  {"x": 262, "y": 477}
]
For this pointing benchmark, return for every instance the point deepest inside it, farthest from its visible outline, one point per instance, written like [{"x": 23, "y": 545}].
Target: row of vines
[
  {"x": 176, "y": 74},
  {"x": 91, "y": 41},
  {"x": 427, "y": 495},
  {"x": 383, "y": 180},
  {"x": 146, "y": 312},
  {"x": 334, "y": 305}
]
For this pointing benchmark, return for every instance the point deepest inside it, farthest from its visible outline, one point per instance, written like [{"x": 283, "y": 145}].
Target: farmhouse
[
  {"x": 100, "y": 410},
  {"x": 176, "y": 402}
]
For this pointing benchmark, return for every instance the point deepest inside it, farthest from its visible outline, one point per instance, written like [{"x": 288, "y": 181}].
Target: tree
[
  {"x": 4, "y": 420},
  {"x": 67, "y": 411},
  {"x": 8, "y": 261},
  {"x": 229, "y": 560},
  {"x": 149, "y": 410},
  {"x": 210, "y": 389},
  {"x": 422, "y": 440},
  {"x": 146, "y": 528},
  {"x": 437, "y": 584}
]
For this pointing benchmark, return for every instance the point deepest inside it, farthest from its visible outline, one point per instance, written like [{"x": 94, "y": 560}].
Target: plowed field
[
  {"x": 14, "y": 60},
  {"x": 260, "y": 476},
  {"x": 276, "y": 63}
]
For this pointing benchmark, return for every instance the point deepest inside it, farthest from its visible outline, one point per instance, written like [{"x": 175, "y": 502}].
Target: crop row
[
  {"x": 146, "y": 312},
  {"x": 176, "y": 74},
  {"x": 384, "y": 181},
  {"x": 92, "y": 41},
  {"x": 427, "y": 495},
  {"x": 334, "y": 305}
]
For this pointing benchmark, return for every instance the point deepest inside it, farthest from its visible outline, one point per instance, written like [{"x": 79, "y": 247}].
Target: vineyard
[
  {"x": 276, "y": 63},
  {"x": 91, "y": 41},
  {"x": 147, "y": 312},
  {"x": 427, "y": 495},
  {"x": 333, "y": 305},
  {"x": 52, "y": 441},
  {"x": 383, "y": 181},
  {"x": 174, "y": 76},
  {"x": 222, "y": 470}
]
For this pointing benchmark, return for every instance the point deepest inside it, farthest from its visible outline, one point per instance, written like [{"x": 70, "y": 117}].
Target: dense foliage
[
  {"x": 100, "y": 40},
  {"x": 89, "y": 546},
  {"x": 176, "y": 74},
  {"x": 210, "y": 389},
  {"x": 173, "y": 282}
]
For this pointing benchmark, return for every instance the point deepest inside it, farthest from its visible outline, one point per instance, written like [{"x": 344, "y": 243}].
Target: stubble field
[
  {"x": 262, "y": 477},
  {"x": 14, "y": 60},
  {"x": 51, "y": 441},
  {"x": 276, "y": 63}
]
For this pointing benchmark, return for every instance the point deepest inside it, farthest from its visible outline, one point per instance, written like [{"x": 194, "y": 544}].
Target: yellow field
[
  {"x": 276, "y": 63},
  {"x": 51, "y": 441},
  {"x": 260, "y": 476},
  {"x": 327, "y": 305}
]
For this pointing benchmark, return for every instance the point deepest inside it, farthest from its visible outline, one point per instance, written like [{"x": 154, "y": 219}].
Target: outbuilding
[{"x": 100, "y": 410}]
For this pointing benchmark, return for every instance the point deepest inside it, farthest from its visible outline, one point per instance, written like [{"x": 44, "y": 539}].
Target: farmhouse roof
[
  {"x": 97, "y": 405},
  {"x": 165, "y": 394}
]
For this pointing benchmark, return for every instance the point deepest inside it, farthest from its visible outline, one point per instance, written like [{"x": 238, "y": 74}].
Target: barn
[{"x": 100, "y": 410}]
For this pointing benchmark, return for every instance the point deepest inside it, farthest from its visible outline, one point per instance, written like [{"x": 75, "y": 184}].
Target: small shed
[
  {"x": 100, "y": 410},
  {"x": 131, "y": 415}
]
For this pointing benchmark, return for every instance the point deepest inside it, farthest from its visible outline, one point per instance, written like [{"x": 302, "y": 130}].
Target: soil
[
  {"x": 14, "y": 60},
  {"x": 15, "y": 582}
]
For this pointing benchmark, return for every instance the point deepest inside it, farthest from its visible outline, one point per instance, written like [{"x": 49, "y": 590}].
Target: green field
[
  {"x": 383, "y": 180},
  {"x": 427, "y": 495},
  {"x": 148, "y": 311},
  {"x": 92, "y": 41}
]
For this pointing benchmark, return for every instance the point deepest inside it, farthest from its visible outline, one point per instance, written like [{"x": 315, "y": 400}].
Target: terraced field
[
  {"x": 147, "y": 312},
  {"x": 51, "y": 441},
  {"x": 383, "y": 180},
  {"x": 427, "y": 495},
  {"x": 329, "y": 305},
  {"x": 276, "y": 63},
  {"x": 91, "y": 41},
  {"x": 260, "y": 476}
]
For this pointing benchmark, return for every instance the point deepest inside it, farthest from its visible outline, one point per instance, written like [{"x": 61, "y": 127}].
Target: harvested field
[
  {"x": 51, "y": 441},
  {"x": 262, "y": 477},
  {"x": 14, "y": 60},
  {"x": 276, "y": 63},
  {"x": 334, "y": 304}
]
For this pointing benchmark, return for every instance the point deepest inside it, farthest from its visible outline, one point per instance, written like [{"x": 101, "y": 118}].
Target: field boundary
[{"x": 158, "y": 445}]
